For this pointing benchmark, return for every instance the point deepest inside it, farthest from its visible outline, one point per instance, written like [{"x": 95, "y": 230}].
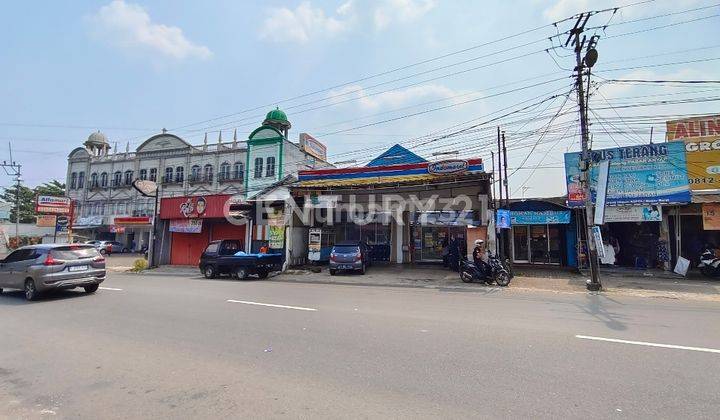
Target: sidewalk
[{"x": 526, "y": 279}]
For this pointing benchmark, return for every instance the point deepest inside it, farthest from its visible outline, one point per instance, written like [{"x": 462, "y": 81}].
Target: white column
[{"x": 399, "y": 240}]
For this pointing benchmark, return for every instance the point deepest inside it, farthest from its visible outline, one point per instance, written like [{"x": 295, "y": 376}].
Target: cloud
[
  {"x": 129, "y": 26},
  {"x": 395, "y": 98},
  {"x": 304, "y": 23},
  {"x": 562, "y": 9},
  {"x": 400, "y": 11}
]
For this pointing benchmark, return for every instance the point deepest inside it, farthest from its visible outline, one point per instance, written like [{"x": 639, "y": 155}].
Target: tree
[
  {"x": 27, "y": 203},
  {"x": 27, "y": 198}
]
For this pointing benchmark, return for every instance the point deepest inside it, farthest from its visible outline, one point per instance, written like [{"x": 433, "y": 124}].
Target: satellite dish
[{"x": 591, "y": 57}]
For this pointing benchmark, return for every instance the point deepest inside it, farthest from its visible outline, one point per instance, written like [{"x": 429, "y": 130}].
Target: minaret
[
  {"x": 205, "y": 142},
  {"x": 234, "y": 144}
]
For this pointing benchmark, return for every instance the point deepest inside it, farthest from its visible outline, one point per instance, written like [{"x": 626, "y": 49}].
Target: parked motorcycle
[
  {"x": 709, "y": 263},
  {"x": 498, "y": 273}
]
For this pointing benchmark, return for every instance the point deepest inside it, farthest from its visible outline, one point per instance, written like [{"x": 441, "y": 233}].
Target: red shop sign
[{"x": 205, "y": 206}]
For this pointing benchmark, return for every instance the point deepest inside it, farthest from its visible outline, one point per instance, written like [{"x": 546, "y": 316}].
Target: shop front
[
  {"x": 404, "y": 213},
  {"x": 190, "y": 223},
  {"x": 633, "y": 236},
  {"x": 543, "y": 232},
  {"x": 132, "y": 231}
]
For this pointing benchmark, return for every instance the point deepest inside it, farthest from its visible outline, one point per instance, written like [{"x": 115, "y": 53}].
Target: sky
[{"x": 359, "y": 75}]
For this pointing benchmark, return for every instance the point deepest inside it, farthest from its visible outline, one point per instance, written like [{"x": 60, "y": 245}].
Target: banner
[
  {"x": 276, "y": 237},
  {"x": 711, "y": 216},
  {"x": 633, "y": 214},
  {"x": 45, "y": 220},
  {"x": 647, "y": 174},
  {"x": 701, "y": 137},
  {"x": 549, "y": 217},
  {"x": 186, "y": 225},
  {"x": 503, "y": 219}
]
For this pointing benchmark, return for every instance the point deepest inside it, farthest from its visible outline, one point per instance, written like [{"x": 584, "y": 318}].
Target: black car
[
  {"x": 220, "y": 258},
  {"x": 349, "y": 255}
]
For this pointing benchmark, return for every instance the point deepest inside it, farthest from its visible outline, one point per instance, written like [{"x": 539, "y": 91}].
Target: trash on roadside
[{"x": 268, "y": 350}]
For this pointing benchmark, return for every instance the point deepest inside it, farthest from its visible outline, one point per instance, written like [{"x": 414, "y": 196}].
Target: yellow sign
[
  {"x": 46, "y": 220},
  {"x": 711, "y": 216},
  {"x": 702, "y": 149}
]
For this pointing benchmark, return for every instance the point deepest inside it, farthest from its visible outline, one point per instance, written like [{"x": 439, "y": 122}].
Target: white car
[{"x": 109, "y": 247}]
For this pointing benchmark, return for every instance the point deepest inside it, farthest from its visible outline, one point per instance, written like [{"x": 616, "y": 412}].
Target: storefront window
[{"x": 520, "y": 243}]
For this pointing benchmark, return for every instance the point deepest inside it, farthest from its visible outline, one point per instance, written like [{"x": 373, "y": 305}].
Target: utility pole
[
  {"x": 13, "y": 169},
  {"x": 498, "y": 230},
  {"x": 506, "y": 232},
  {"x": 583, "y": 63}
]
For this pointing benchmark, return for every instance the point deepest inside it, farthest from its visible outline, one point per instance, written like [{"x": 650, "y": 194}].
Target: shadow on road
[
  {"x": 596, "y": 308},
  {"x": 17, "y": 297}
]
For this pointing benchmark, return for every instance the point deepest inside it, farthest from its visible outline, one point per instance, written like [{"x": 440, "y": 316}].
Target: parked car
[
  {"x": 109, "y": 247},
  {"x": 220, "y": 258},
  {"x": 349, "y": 255},
  {"x": 40, "y": 268}
]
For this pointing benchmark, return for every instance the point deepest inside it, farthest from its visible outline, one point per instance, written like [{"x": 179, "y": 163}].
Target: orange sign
[
  {"x": 702, "y": 149},
  {"x": 46, "y": 220},
  {"x": 711, "y": 216}
]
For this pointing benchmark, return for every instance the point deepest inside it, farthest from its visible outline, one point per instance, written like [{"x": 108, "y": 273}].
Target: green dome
[{"x": 276, "y": 115}]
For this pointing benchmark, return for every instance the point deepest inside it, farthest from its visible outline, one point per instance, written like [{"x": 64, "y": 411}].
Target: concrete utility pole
[
  {"x": 13, "y": 169},
  {"x": 583, "y": 63}
]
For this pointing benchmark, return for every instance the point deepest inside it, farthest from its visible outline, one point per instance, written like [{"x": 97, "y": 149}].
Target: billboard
[
  {"x": 642, "y": 175},
  {"x": 701, "y": 136},
  {"x": 45, "y": 220},
  {"x": 312, "y": 146},
  {"x": 633, "y": 214},
  {"x": 51, "y": 204}
]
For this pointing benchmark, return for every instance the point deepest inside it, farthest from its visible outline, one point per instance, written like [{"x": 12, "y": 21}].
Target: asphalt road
[{"x": 168, "y": 347}]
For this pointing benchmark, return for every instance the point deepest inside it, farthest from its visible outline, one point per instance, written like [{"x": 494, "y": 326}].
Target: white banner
[{"x": 633, "y": 214}]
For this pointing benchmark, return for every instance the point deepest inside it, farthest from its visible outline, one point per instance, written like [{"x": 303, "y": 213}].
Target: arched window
[
  {"x": 168, "y": 175},
  {"x": 94, "y": 180},
  {"x": 143, "y": 174},
  {"x": 81, "y": 180},
  {"x": 179, "y": 173},
  {"x": 208, "y": 173},
  {"x": 195, "y": 173},
  {"x": 238, "y": 171},
  {"x": 73, "y": 180},
  {"x": 224, "y": 173},
  {"x": 153, "y": 174},
  {"x": 117, "y": 179},
  {"x": 103, "y": 180},
  {"x": 128, "y": 177},
  {"x": 270, "y": 167},
  {"x": 258, "y": 167}
]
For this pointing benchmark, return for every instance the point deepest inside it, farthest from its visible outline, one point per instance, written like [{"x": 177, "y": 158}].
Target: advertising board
[
  {"x": 639, "y": 175},
  {"x": 701, "y": 136}
]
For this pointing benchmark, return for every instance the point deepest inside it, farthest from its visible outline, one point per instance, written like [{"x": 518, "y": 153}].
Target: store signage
[
  {"x": 186, "y": 225},
  {"x": 503, "y": 219},
  {"x": 117, "y": 229},
  {"x": 647, "y": 174},
  {"x": 276, "y": 237},
  {"x": 88, "y": 221},
  {"x": 140, "y": 220},
  {"x": 312, "y": 146},
  {"x": 193, "y": 207},
  {"x": 549, "y": 217},
  {"x": 45, "y": 220},
  {"x": 633, "y": 214},
  {"x": 209, "y": 206},
  {"x": 711, "y": 216},
  {"x": 62, "y": 220},
  {"x": 701, "y": 136},
  {"x": 448, "y": 167},
  {"x": 52, "y": 204}
]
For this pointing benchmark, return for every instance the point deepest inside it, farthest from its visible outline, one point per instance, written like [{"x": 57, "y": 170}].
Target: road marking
[
  {"x": 272, "y": 305},
  {"x": 109, "y": 288},
  {"x": 644, "y": 343}
]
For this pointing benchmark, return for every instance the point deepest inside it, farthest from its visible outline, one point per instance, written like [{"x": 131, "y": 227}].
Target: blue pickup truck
[{"x": 226, "y": 257}]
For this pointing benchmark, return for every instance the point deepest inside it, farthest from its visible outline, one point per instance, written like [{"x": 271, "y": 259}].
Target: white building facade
[{"x": 107, "y": 207}]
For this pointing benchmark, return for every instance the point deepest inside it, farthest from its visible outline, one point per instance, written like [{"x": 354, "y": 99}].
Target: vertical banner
[
  {"x": 597, "y": 237},
  {"x": 602, "y": 185}
]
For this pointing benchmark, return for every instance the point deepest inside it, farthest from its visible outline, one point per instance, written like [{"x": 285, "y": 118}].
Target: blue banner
[
  {"x": 646, "y": 174},
  {"x": 503, "y": 219},
  {"x": 549, "y": 217}
]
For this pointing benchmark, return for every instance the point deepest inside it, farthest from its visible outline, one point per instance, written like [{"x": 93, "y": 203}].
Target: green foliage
[
  {"x": 27, "y": 198},
  {"x": 139, "y": 265}
]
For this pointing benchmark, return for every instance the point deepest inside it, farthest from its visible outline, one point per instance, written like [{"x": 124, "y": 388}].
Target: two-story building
[{"x": 99, "y": 179}]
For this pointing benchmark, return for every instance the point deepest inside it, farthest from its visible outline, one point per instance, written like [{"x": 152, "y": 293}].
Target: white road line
[
  {"x": 644, "y": 343},
  {"x": 272, "y": 305},
  {"x": 109, "y": 288}
]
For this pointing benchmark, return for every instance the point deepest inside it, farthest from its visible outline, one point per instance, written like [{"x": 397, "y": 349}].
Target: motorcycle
[
  {"x": 709, "y": 263},
  {"x": 498, "y": 273}
]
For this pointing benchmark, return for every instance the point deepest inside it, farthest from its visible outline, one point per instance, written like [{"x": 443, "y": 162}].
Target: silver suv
[{"x": 40, "y": 268}]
